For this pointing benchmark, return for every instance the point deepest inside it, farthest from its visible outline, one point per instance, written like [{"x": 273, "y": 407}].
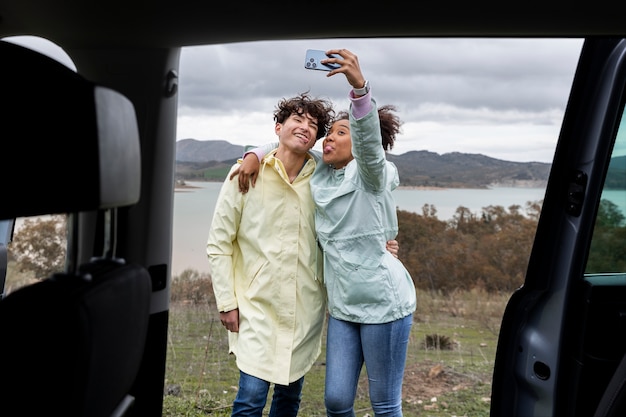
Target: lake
[{"x": 193, "y": 212}]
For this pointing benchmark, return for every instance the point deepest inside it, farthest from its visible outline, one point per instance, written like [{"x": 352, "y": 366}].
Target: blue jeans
[
  {"x": 252, "y": 396},
  {"x": 382, "y": 347}
]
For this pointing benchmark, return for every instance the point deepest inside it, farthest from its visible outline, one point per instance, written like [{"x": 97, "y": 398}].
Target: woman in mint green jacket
[{"x": 371, "y": 296}]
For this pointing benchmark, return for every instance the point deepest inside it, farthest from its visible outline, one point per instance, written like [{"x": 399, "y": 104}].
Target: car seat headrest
[{"x": 71, "y": 145}]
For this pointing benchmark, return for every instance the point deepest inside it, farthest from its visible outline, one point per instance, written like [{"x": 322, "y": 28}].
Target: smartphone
[{"x": 313, "y": 58}]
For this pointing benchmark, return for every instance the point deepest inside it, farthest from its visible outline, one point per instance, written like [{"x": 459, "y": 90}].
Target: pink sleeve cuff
[
  {"x": 257, "y": 151},
  {"x": 361, "y": 105}
]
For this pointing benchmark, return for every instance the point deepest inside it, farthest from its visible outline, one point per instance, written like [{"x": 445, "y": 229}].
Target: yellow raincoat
[{"x": 265, "y": 261}]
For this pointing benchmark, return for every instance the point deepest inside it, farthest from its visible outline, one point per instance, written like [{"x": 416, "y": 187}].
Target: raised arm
[{"x": 367, "y": 147}]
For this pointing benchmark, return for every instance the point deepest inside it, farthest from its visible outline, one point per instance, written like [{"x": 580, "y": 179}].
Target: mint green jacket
[{"x": 354, "y": 218}]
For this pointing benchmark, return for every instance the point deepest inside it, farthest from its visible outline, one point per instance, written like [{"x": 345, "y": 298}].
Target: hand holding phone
[{"x": 313, "y": 59}]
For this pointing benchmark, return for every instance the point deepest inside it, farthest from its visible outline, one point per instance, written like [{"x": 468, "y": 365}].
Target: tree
[
  {"x": 609, "y": 215},
  {"x": 607, "y": 252},
  {"x": 40, "y": 245}
]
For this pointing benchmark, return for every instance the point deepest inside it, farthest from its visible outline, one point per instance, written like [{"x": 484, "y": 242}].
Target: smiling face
[
  {"x": 337, "y": 145},
  {"x": 297, "y": 132}
]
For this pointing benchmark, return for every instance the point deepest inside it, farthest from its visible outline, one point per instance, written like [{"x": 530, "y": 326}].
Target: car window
[{"x": 607, "y": 254}]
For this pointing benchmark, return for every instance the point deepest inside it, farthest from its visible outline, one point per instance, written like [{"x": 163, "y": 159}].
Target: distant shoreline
[
  {"x": 420, "y": 187},
  {"x": 185, "y": 186}
]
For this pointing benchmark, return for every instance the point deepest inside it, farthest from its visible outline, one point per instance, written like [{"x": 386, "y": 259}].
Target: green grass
[{"x": 201, "y": 378}]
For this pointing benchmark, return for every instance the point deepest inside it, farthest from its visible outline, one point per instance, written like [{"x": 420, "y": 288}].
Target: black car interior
[{"x": 77, "y": 337}]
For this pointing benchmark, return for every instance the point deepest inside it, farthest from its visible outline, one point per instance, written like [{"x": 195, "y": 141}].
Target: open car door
[{"x": 563, "y": 333}]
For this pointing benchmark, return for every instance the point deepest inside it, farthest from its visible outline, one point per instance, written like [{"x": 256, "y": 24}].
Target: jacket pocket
[{"x": 361, "y": 278}]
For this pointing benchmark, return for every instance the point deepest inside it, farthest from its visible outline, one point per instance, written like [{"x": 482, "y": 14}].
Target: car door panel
[{"x": 546, "y": 360}]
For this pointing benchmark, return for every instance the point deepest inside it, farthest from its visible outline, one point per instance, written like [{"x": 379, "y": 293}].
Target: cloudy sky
[{"x": 503, "y": 98}]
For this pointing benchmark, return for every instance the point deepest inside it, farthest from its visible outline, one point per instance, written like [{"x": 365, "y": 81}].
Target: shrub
[
  {"x": 437, "y": 342},
  {"x": 192, "y": 287},
  {"x": 39, "y": 245}
]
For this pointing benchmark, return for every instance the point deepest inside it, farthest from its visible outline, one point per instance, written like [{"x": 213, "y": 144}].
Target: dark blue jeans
[
  {"x": 252, "y": 396},
  {"x": 383, "y": 348}
]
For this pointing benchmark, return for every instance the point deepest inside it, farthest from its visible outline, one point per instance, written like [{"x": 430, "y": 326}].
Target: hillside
[
  {"x": 211, "y": 160},
  {"x": 192, "y": 150},
  {"x": 462, "y": 170}
]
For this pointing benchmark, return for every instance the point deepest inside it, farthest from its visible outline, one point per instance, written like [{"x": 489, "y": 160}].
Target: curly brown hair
[
  {"x": 390, "y": 124},
  {"x": 320, "y": 109}
]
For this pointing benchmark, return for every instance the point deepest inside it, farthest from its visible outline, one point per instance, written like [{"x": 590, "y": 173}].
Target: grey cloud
[
  {"x": 529, "y": 75},
  {"x": 453, "y": 94}
]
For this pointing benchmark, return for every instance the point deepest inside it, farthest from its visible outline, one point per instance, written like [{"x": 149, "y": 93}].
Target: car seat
[{"x": 72, "y": 343}]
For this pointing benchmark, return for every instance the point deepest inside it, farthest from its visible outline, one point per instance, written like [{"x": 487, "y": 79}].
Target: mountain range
[{"x": 210, "y": 160}]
